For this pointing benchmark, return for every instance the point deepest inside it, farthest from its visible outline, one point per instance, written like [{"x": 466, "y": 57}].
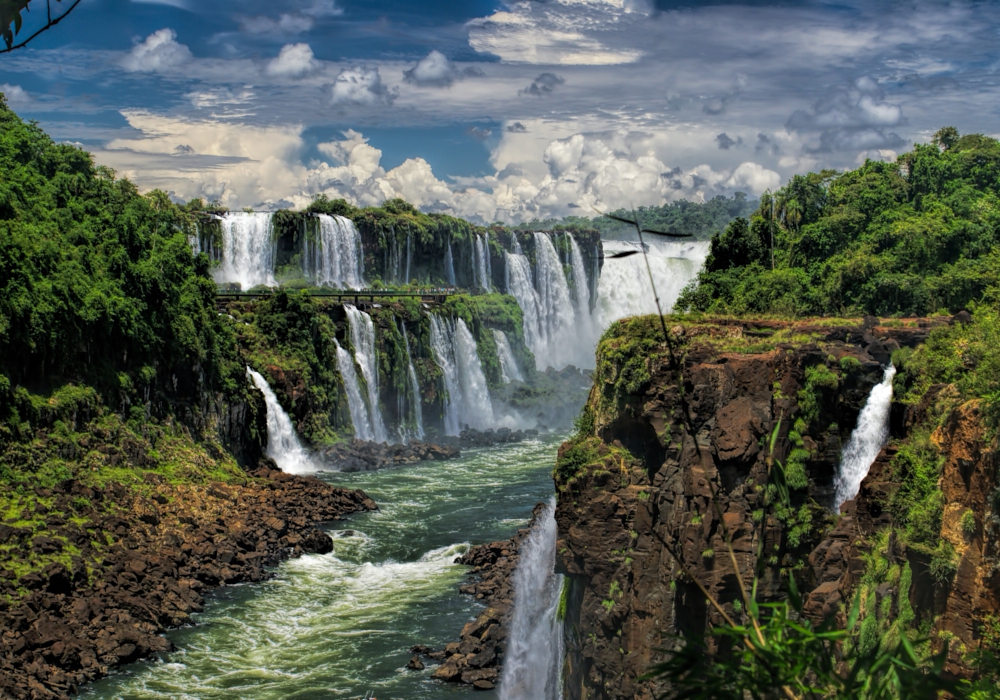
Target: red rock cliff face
[{"x": 658, "y": 450}]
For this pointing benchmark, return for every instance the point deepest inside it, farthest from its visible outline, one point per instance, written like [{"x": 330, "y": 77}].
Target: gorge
[{"x": 493, "y": 472}]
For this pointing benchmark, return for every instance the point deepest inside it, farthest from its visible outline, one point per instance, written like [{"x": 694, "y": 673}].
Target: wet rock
[
  {"x": 361, "y": 455},
  {"x": 415, "y": 664}
]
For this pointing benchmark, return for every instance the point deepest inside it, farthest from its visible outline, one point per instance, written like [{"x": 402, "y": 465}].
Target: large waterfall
[
  {"x": 867, "y": 440},
  {"x": 509, "y": 370},
  {"x": 248, "y": 250},
  {"x": 363, "y": 339},
  {"x": 416, "y": 399},
  {"x": 355, "y": 402},
  {"x": 334, "y": 258},
  {"x": 468, "y": 396},
  {"x": 449, "y": 265},
  {"x": 283, "y": 444},
  {"x": 624, "y": 285},
  {"x": 533, "y": 662},
  {"x": 481, "y": 270}
]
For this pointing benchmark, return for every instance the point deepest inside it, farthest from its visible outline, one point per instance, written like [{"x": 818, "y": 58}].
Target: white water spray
[
  {"x": 867, "y": 440},
  {"x": 624, "y": 288},
  {"x": 334, "y": 258},
  {"x": 509, "y": 370},
  {"x": 283, "y": 444},
  {"x": 248, "y": 250},
  {"x": 363, "y": 339},
  {"x": 468, "y": 396},
  {"x": 535, "y": 650},
  {"x": 355, "y": 402}
]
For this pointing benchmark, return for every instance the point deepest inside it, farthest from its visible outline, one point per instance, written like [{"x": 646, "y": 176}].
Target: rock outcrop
[
  {"x": 663, "y": 470},
  {"x": 139, "y": 562}
]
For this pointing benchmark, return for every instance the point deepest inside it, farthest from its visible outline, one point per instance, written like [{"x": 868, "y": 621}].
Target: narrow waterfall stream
[
  {"x": 341, "y": 624},
  {"x": 535, "y": 648},
  {"x": 509, "y": 371},
  {"x": 283, "y": 444},
  {"x": 363, "y": 338},
  {"x": 355, "y": 401},
  {"x": 248, "y": 250},
  {"x": 867, "y": 440},
  {"x": 416, "y": 402}
]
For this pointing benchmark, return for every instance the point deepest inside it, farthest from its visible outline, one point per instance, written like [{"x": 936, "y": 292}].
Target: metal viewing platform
[{"x": 349, "y": 295}]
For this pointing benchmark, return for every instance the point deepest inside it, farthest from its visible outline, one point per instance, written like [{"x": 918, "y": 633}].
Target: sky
[{"x": 501, "y": 111}]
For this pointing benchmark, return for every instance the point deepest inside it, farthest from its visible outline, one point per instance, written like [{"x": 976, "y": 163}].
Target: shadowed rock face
[
  {"x": 169, "y": 549},
  {"x": 651, "y": 465}
]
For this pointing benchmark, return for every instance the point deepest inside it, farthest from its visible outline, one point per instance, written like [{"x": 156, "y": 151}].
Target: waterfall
[
  {"x": 355, "y": 402},
  {"x": 867, "y": 440},
  {"x": 508, "y": 365},
  {"x": 468, "y": 399},
  {"x": 334, "y": 259},
  {"x": 417, "y": 412},
  {"x": 581, "y": 290},
  {"x": 489, "y": 263},
  {"x": 449, "y": 265},
  {"x": 363, "y": 339},
  {"x": 521, "y": 286},
  {"x": 283, "y": 444},
  {"x": 248, "y": 250},
  {"x": 624, "y": 288},
  {"x": 533, "y": 662},
  {"x": 409, "y": 253},
  {"x": 481, "y": 263}
]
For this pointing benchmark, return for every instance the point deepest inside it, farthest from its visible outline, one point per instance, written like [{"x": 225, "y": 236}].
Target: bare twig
[{"x": 48, "y": 25}]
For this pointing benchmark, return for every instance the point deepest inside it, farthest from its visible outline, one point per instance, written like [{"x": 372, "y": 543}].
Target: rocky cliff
[{"x": 668, "y": 461}]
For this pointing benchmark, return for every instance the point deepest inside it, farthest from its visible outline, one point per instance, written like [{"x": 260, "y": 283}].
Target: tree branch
[{"x": 48, "y": 25}]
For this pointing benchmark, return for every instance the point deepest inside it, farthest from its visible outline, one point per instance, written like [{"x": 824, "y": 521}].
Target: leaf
[
  {"x": 777, "y": 477},
  {"x": 852, "y": 619},
  {"x": 752, "y": 607},
  {"x": 621, "y": 219},
  {"x": 774, "y": 435},
  {"x": 793, "y": 593},
  {"x": 621, "y": 254}
]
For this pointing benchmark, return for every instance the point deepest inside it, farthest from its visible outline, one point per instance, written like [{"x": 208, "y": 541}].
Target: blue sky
[{"x": 502, "y": 110}]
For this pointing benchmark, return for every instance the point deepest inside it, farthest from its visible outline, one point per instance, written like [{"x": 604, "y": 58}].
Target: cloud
[
  {"x": 323, "y": 8},
  {"x": 294, "y": 60},
  {"x": 754, "y": 177},
  {"x": 361, "y": 85},
  {"x": 15, "y": 94},
  {"x": 434, "y": 70},
  {"x": 287, "y": 23},
  {"x": 180, "y": 4},
  {"x": 479, "y": 133},
  {"x": 544, "y": 84},
  {"x": 220, "y": 96},
  {"x": 765, "y": 144},
  {"x": 851, "y": 118},
  {"x": 517, "y": 128},
  {"x": 158, "y": 52},
  {"x": 725, "y": 142}
]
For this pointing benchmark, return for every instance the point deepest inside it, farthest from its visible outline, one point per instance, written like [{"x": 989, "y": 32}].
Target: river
[{"x": 341, "y": 624}]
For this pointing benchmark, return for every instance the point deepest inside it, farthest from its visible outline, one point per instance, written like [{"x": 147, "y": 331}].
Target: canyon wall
[{"x": 666, "y": 462}]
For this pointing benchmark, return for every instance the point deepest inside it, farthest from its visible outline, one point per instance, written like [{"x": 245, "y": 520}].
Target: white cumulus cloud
[
  {"x": 15, "y": 94},
  {"x": 361, "y": 85},
  {"x": 158, "y": 52},
  {"x": 294, "y": 60}
]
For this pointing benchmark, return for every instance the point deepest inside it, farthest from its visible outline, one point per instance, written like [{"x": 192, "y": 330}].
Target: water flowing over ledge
[
  {"x": 283, "y": 444},
  {"x": 867, "y": 440}
]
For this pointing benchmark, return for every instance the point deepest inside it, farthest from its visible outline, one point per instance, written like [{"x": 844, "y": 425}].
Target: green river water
[{"x": 341, "y": 624}]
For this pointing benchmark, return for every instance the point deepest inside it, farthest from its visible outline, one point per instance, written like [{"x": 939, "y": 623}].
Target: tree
[
  {"x": 12, "y": 20},
  {"x": 945, "y": 138}
]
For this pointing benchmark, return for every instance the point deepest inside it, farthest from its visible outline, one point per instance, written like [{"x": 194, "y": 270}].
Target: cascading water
[
  {"x": 355, "y": 402},
  {"x": 409, "y": 254},
  {"x": 521, "y": 286},
  {"x": 867, "y": 440},
  {"x": 334, "y": 258},
  {"x": 363, "y": 339},
  {"x": 509, "y": 370},
  {"x": 624, "y": 288},
  {"x": 449, "y": 265},
  {"x": 533, "y": 662},
  {"x": 468, "y": 399},
  {"x": 417, "y": 412},
  {"x": 248, "y": 250},
  {"x": 283, "y": 444},
  {"x": 480, "y": 263},
  {"x": 581, "y": 290}
]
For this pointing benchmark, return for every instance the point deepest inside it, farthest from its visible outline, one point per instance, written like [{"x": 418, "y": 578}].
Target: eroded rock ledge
[{"x": 109, "y": 603}]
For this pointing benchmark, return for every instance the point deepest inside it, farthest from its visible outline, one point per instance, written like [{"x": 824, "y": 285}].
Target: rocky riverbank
[
  {"x": 362, "y": 455},
  {"x": 134, "y": 564},
  {"x": 475, "y": 659}
]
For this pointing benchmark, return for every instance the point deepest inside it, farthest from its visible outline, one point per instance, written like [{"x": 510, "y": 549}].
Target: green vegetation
[{"x": 888, "y": 238}]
